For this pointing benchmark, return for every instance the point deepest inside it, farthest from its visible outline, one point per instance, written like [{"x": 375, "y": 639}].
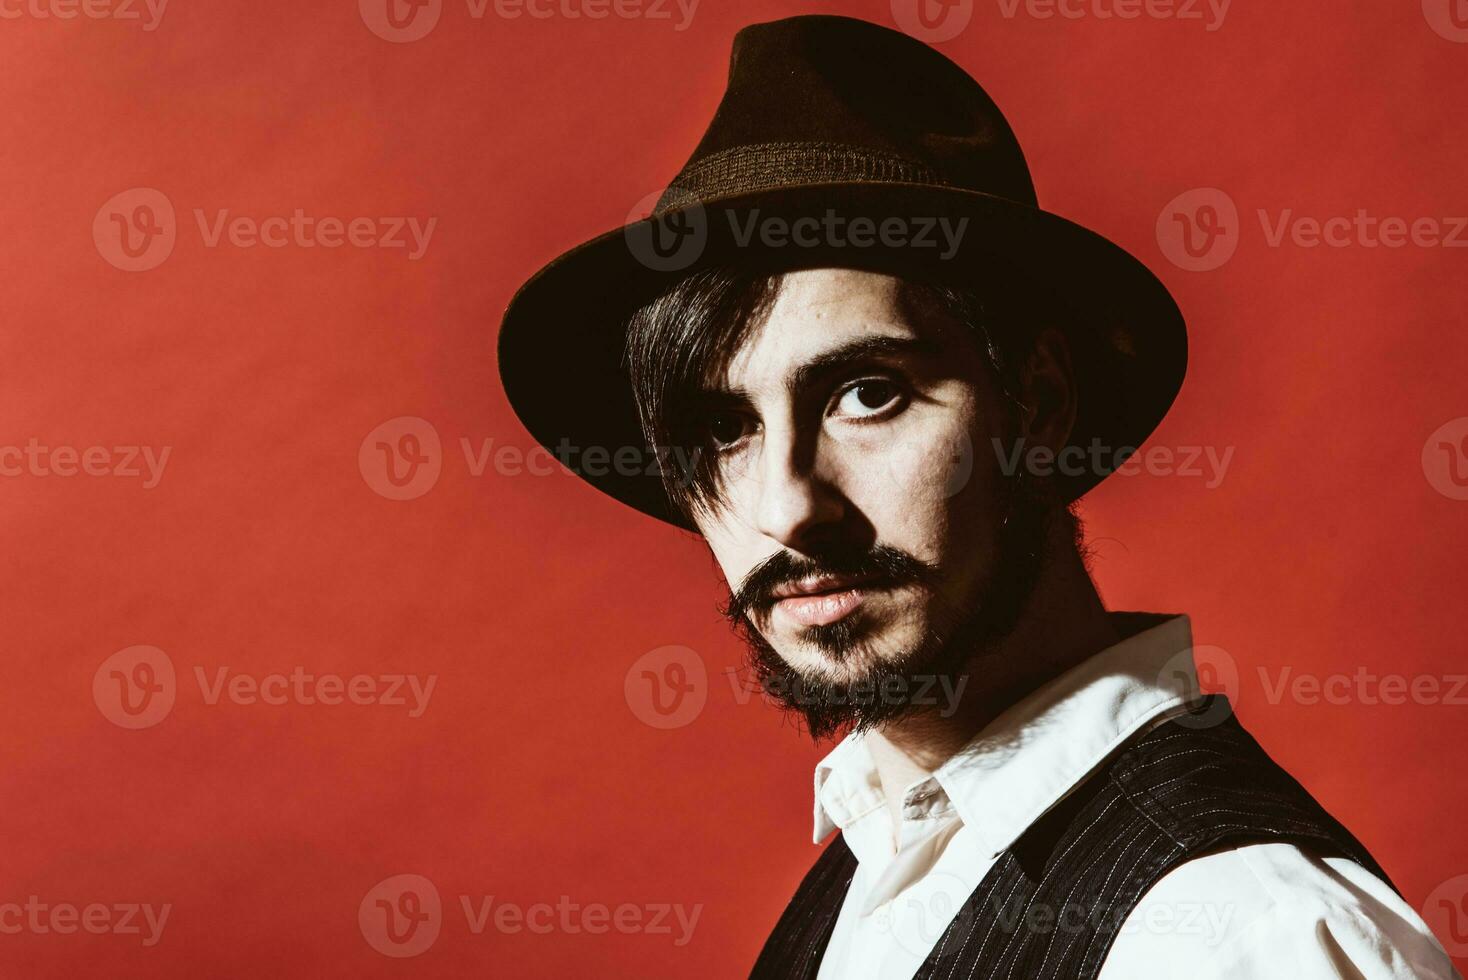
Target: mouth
[{"x": 823, "y": 599}]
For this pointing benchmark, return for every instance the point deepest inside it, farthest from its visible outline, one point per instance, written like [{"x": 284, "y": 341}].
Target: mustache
[{"x": 882, "y": 564}]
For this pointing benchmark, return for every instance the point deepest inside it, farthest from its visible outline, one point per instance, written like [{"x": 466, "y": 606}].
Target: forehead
[{"x": 817, "y": 310}]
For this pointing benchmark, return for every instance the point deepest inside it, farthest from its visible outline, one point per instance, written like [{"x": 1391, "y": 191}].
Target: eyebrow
[{"x": 846, "y": 356}]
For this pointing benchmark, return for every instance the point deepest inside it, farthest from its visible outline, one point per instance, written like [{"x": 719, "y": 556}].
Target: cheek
[
  {"x": 933, "y": 490},
  {"x": 733, "y": 560},
  {"x": 927, "y": 465},
  {"x": 931, "y": 466},
  {"x": 732, "y": 523}
]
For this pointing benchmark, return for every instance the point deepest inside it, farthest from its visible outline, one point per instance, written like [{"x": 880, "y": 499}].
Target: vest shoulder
[{"x": 1204, "y": 781}]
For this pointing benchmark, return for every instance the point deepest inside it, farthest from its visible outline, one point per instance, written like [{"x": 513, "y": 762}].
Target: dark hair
[{"x": 684, "y": 339}]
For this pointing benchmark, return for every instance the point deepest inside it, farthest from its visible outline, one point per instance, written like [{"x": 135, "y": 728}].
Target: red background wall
[{"x": 1326, "y": 549}]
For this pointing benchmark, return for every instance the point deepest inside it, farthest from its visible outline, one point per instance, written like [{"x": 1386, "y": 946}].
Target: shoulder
[{"x": 1273, "y": 910}]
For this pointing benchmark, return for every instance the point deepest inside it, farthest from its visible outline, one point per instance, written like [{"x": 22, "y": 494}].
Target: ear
[{"x": 1048, "y": 392}]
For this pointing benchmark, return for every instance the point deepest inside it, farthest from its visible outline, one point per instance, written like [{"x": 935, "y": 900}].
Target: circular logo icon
[
  {"x": 1445, "y": 459},
  {"x": 400, "y": 21},
  {"x": 401, "y": 458},
  {"x": 1200, "y": 671},
  {"x": 918, "y": 917},
  {"x": 1449, "y": 18},
  {"x": 135, "y": 230},
  {"x": 401, "y": 916},
  {"x": 1199, "y": 230},
  {"x": 135, "y": 687},
  {"x": 673, "y": 241},
  {"x": 910, "y": 462},
  {"x": 667, "y": 687},
  {"x": 1446, "y": 913},
  {"x": 932, "y": 20}
]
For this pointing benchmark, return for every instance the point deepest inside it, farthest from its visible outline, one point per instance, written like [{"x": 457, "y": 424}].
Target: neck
[{"x": 1063, "y": 623}]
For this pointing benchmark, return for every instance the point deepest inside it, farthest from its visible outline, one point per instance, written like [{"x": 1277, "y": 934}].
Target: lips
[
  {"x": 813, "y": 585},
  {"x": 819, "y": 600}
]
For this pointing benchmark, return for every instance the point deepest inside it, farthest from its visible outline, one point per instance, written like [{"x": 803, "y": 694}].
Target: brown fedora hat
[{"x": 837, "y": 142}]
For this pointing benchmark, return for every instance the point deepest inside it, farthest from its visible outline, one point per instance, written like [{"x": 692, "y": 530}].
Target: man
[{"x": 873, "y": 372}]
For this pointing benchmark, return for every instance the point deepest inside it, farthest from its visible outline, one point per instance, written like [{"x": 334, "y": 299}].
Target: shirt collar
[{"x": 1040, "y": 748}]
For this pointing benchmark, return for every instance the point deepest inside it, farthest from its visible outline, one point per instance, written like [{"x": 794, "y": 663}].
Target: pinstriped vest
[{"x": 1052, "y": 904}]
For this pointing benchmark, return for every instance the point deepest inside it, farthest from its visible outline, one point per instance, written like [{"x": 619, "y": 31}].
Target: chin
[{"x": 853, "y": 648}]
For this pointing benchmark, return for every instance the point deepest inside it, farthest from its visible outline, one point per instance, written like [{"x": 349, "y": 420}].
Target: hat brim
[{"x": 561, "y": 342}]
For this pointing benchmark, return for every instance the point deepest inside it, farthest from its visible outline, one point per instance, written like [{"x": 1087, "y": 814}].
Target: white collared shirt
[{"x": 1261, "y": 910}]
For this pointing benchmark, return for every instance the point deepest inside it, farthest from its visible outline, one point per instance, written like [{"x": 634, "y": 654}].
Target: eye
[
  {"x": 868, "y": 398},
  {"x": 726, "y": 428}
]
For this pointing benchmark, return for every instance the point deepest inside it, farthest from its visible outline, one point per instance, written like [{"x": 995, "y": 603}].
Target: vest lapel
[{"x": 795, "y": 948}]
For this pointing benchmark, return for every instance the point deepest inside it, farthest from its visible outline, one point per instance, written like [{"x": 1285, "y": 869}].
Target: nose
[{"x": 798, "y": 505}]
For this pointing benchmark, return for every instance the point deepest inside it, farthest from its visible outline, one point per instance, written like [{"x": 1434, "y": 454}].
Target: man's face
[{"x": 854, "y": 435}]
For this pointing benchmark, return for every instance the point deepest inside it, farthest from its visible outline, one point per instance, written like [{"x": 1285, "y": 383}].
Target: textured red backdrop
[{"x": 268, "y": 542}]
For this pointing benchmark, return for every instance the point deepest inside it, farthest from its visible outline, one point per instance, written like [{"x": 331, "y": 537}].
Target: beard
[{"x": 867, "y": 688}]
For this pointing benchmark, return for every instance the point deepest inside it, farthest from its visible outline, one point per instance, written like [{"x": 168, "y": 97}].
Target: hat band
[{"x": 768, "y": 166}]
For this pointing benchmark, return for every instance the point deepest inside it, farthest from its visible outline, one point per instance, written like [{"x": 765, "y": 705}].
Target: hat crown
[{"x": 819, "y": 98}]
